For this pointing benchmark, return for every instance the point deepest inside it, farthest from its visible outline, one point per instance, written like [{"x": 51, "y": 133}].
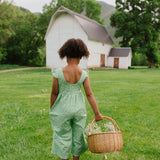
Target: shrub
[
  {"x": 139, "y": 60},
  {"x": 3, "y": 54}
]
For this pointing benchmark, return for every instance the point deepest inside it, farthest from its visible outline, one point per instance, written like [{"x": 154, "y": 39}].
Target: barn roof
[
  {"x": 93, "y": 29},
  {"x": 119, "y": 52}
]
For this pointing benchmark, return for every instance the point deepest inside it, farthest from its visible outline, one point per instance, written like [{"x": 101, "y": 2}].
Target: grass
[
  {"x": 130, "y": 97},
  {"x": 9, "y": 66},
  {"x": 138, "y": 67}
]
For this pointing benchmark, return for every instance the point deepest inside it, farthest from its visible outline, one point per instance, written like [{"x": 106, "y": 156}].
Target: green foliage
[
  {"x": 157, "y": 65},
  {"x": 138, "y": 23},
  {"x": 3, "y": 54},
  {"x": 22, "y": 47},
  {"x": 74, "y": 5},
  {"x": 44, "y": 18},
  {"x": 19, "y": 40},
  {"x": 139, "y": 60},
  {"x": 42, "y": 51},
  {"x": 91, "y": 7},
  {"x": 93, "y": 10},
  {"x": 5, "y": 21},
  {"x": 11, "y": 17}
]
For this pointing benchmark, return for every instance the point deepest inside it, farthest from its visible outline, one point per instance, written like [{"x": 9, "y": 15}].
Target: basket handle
[{"x": 104, "y": 117}]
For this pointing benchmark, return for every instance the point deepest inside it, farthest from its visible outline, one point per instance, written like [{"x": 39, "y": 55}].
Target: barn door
[
  {"x": 102, "y": 60},
  {"x": 116, "y": 62}
]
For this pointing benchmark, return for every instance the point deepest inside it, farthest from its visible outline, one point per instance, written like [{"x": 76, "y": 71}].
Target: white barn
[
  {"x": 119, "y": 58},
  {"x": 66, "y": 24}
]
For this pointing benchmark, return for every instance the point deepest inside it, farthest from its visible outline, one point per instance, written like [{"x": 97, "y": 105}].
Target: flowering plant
[{"x": 97, "y": 128}]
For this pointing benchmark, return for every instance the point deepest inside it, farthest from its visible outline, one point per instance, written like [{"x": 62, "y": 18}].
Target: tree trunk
[{"x": 152, "y": 64}]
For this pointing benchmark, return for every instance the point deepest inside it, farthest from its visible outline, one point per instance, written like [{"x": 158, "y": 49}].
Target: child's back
[{"x": 72, "y": 74}]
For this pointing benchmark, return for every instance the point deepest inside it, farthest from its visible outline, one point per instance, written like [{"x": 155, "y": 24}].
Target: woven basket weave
[{"x": 105, "y": 142}]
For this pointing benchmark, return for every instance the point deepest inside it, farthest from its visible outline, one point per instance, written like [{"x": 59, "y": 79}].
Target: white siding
[
  {"x": 64, "y": 28},
  {"x": 96, "y": 49},
  {"x": 110, "y": 62},
  {"x": 124, "y": 62},
  {"x": 129, "y": 59}
]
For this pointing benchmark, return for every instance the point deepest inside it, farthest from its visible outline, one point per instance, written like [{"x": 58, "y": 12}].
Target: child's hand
[{"x": 98, "y": 117}]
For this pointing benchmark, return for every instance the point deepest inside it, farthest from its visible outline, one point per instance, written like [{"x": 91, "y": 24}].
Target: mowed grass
[
  {"x": 130, "y": 97},
  {"x": 8, "y": 66}
]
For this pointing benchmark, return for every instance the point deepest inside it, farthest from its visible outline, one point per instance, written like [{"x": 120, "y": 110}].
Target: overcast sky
[{"x": 37, "y": 5}]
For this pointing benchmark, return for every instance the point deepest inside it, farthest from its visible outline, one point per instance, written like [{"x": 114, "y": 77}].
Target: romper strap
[
  {"x": 85, "y": 74},
  {"x": 56, "y": 72}
]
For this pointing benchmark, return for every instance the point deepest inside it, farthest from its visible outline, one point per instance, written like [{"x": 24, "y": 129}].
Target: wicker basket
[{"x": 105, "y": 142}]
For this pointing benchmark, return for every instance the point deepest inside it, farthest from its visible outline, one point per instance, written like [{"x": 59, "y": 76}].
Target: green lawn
[
  {"x": 8, "y": 66},
  {"x": 130, "y": 97}
]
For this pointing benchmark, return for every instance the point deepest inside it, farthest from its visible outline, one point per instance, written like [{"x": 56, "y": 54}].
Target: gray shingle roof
[
  {"x": 93, "y": 29},
  {"x": 120, "y": 52}
]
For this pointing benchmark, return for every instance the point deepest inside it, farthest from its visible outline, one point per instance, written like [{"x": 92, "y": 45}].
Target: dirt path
[{"x": 19, "y": 69}]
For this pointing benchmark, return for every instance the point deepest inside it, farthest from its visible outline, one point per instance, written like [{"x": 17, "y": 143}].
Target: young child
[{"x": 67, "y": 107}]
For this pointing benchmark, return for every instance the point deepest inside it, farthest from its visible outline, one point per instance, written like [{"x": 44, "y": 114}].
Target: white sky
[{"x": 37, "y": 5}]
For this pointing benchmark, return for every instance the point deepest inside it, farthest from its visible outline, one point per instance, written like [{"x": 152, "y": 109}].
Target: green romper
[{"x": 68, "y": 117}]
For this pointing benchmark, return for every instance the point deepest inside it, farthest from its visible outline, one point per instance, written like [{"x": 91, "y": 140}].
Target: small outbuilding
[
  {"x": 66, "y": 24},
  {"x": 119, "y": 58}
]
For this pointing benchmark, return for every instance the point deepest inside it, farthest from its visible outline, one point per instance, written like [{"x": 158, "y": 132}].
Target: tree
[
  {"x": 3, "y": 54},
  {"x": 22, "y": 47},
  {"x": 93, "y": 10},
  {"x": 138, "y": 23},
  {"x": 44, "y": 18},
  {"x": 5, "y": 21},
  {"x": 11, "y": 17},
  {"x": 74, "y": 5},
  {"x": 20, "y": 42}
]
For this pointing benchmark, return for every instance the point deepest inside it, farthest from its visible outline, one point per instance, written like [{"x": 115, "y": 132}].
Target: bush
[
  {"x": 139, "y": 60},
  {"x": 37, "y": 61},
  {"x": 23, "y": 47},
  {"x": 3, "y": 54},
  {"x": 42, "y": 52},
  {"x": 157, "y": 65}
]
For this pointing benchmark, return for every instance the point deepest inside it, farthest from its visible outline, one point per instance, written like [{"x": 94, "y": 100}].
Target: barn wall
[
  {"x": 96, "y": 49},
  {"x": 129, "y": 59},
  {"x": 110, "y": 62},
  {"x": 123, "y": 62},
  {"x": 64, "y": 28}
]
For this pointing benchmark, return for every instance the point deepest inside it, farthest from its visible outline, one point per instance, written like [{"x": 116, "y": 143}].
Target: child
[{"x": 67, "y": 107}]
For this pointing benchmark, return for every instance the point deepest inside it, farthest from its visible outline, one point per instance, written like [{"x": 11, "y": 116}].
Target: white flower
[{"x": 107, "y": 127}]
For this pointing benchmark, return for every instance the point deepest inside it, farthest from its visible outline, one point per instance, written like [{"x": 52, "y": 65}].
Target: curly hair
[{"x": 73, "y": 48}]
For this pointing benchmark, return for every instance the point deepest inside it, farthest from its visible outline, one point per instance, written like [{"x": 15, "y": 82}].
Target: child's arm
[
  {"x": 54, "y": 92},
  {"x": 91, "y": 99}
]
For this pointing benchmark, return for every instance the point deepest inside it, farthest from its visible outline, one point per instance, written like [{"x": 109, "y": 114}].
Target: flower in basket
[{"x": 106, "y": 127}]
